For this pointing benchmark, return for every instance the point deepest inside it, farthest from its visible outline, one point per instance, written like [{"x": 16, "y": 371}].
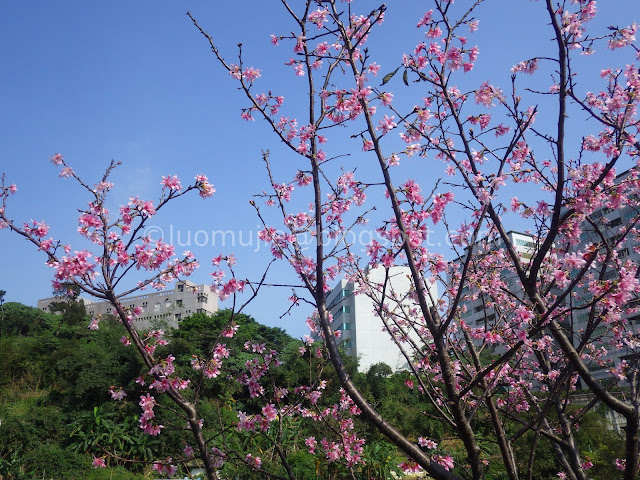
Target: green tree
[
  {"x": 70, "y": 307},
  {"x": 18, "y": 319}
]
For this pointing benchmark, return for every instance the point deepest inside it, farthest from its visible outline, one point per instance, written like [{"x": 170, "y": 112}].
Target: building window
[
  {"x": 202, "y": 298},
  {"x": 346, "y": 309},
  {"x": 346, "y": 326},
  {"x": 634, "y": 320},
  {"x": 525, "y": 243},
  {"x": 583, "y": 300},
  {"x": 178, "y": 303},
  {"x": 180, "y": 287},
  {"x": 346, "y": 292},
  {"x": 482, "y": 320},
  {"x": 178, "y": 316},
  {"x": 615, "y": 222},
  {"x": 630, "y": 215},
  {"x": 634, "y": 303}
]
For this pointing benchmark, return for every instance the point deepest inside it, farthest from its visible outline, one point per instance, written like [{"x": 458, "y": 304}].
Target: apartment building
[
  {"x": 475, "y": 311},
  {"x": 162, "y": 309},
  {"x": 604, "y": 222},
  {"x": 610, "y": 224},
  {"x": 362, "y": 332}
]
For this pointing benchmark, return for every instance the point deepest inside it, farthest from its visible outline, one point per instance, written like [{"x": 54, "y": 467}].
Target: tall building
[
  {"x": 362, "y": 332},
  {"x": 162, "y": 309},
  {"x": 586, "y": 316},
  {"x": 609, "y": 224},
  {"x": 477, "y": 310}
]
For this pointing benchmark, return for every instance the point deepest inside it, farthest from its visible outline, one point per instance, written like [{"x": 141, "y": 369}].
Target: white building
[
  {"x": 162, "y": 309},
  {"x": 362, "y": 332},
  {"x": 44, "y": 304}
]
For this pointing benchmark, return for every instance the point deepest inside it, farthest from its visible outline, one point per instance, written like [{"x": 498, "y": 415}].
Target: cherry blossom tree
[
  {"x": 471, "y": 145},
  {"x": 118, "y": 247},
  {"x": 485, "y": 139}
]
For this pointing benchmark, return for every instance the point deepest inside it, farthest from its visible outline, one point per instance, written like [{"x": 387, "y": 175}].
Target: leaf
[
  {"x": 389, "y": 76},
  {"x": 404, "y": 78}
]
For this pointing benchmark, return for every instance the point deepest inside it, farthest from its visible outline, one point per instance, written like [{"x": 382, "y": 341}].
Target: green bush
[
  {"x": 51, "y": 461},
  {"x": 116, "y": 473}
]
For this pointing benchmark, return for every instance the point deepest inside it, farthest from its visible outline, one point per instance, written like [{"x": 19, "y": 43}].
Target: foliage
[
  {"x": 72, "y": 310},
  {"x": 52, "y": 461},
  {"x": 18, "y": 319},
  {"x": 525, "y": 295},
  {"x": 112, "y": 432},
  {"x": 53, "y": 423}
]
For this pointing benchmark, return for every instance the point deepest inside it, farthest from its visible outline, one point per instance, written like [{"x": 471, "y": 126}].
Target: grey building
[
  {"x": 477, "y": 310},
  {"x": 162, "y": 309},
  {"x": 610, "y": 225}
]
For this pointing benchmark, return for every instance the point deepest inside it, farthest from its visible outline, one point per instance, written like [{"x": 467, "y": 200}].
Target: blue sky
[{"x": 134, "y": 81}]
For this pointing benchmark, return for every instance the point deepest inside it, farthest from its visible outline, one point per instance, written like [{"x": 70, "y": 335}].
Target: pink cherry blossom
[
  {"x": 171, "y": 182},
  {"x": 57, "y": 159}
]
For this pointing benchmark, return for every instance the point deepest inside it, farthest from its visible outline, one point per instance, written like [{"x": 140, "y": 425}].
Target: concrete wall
[{"x": 160, "y": 310}]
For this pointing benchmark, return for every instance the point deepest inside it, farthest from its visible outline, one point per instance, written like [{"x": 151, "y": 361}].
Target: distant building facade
[
  {"x": 475, "y": 311},
  {"x": 44, "y": 304},
  {"x": 362, "y": 333},
  {"x": 162, "y": 309},
  {"x": 612, "y": 223},
  {"x": 476, "y": 314}
]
